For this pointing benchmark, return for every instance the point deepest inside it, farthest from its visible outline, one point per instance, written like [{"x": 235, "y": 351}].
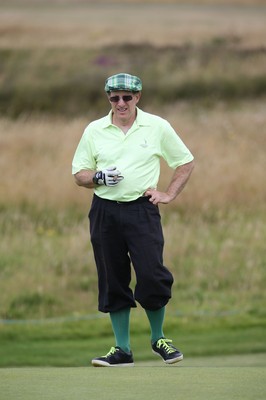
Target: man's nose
[{"x": 121, "y": 101}]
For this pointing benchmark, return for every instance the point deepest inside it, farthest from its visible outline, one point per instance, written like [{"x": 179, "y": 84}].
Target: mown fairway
[{"x": 209, "y": 378}]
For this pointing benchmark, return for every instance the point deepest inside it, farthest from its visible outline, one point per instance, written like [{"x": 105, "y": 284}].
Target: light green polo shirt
[{"x": 136, "y": 154}]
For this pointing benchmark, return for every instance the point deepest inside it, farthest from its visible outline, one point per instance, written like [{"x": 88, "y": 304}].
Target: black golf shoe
[
  {"x": 116, "y": 357},
  {"x": 164, "y": 348}
]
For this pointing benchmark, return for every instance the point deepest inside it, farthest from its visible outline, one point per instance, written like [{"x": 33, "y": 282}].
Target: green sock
[
  {"x": 120, "y": 324},
  {"x": 156, "y": 319}
]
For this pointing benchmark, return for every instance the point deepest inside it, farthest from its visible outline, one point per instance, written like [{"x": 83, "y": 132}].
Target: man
[{"x": 118, "y": 157}]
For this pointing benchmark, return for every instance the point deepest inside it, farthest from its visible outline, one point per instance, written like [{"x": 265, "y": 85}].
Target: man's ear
[{"x": 138, "y": 96}]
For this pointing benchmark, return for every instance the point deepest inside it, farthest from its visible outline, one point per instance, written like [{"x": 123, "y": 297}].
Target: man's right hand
[{"x": 110, "y": 176}]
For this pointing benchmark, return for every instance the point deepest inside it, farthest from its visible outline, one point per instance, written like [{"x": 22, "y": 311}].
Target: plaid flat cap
[{"x": 123, "y": 82}]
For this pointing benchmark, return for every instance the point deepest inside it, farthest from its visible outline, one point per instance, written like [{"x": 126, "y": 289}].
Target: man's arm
[
  {"x": 177, "y": 184},
  {"x": 110, "y": 176},
  {"x": 84, "y": 178}
]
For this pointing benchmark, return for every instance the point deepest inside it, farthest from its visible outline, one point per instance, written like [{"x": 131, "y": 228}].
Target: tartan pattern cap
[{"x": 124, "y": 82}]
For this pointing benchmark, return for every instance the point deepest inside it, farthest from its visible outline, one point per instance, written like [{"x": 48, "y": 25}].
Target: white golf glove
[{"x": 110, "y": 176}]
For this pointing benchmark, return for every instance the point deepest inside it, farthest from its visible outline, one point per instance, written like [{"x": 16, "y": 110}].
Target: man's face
[{"x": 124, "y": 104}]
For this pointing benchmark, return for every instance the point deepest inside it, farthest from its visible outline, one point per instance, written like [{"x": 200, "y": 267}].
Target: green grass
[
  {"x": 75, "y": 343},
  {"x": 212, "y": 378},
  {"x": 47, "y": 262}
]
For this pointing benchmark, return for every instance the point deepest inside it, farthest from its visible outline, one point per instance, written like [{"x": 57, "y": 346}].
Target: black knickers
[{"x": 123, "y": 234}]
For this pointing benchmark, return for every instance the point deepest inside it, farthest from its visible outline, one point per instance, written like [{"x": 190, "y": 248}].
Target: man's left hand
[{"x": 157, "y": 197}]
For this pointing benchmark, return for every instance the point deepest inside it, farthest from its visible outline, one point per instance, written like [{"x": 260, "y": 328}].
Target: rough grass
[
  {"x": 218, "y": 261},
  {"x": 48, "y": 81}
]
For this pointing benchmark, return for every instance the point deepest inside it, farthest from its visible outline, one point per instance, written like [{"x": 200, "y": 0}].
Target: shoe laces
[
  {"x": 166, "y": 344},
  {"x": 113, "y": 350}
]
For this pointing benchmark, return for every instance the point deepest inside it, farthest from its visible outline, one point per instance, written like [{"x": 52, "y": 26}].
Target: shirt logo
[{"x": 145, "y": 144}]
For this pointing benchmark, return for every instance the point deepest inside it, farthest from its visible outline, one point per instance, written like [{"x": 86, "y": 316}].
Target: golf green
[{"x": 215, "y": 378}]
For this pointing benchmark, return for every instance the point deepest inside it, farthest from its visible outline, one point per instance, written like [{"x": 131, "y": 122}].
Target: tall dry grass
[
  {"x": 228, "y": 144},
  {"x": 36, "y": 157}
]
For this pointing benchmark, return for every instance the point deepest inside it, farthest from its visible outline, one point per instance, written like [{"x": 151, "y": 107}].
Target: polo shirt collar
[
  {"x": 107, "y": 121},
  {"x": 141, "y": 119}
]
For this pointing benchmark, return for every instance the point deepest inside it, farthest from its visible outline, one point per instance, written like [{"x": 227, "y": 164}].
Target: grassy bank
[
  {"x": 48, "y": 81},
  {"x": 75, "y": 343}
]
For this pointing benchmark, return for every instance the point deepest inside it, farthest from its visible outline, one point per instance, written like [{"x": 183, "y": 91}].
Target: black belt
[{"x": 142, "y": 199}]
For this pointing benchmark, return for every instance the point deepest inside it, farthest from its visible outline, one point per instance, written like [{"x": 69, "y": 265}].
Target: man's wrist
[{"x": 98, "y": 178}]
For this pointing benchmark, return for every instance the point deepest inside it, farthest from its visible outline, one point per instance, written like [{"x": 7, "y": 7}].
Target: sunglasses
[{"x": 126, "y": 98}]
